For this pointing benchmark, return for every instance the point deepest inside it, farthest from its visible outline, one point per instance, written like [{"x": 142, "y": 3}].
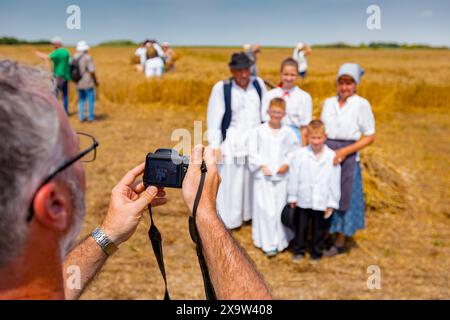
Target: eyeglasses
[{"x": 88, "y": 152}]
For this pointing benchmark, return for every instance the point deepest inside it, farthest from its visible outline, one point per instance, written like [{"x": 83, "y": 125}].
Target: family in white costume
[{"x": 268, "y": 147}]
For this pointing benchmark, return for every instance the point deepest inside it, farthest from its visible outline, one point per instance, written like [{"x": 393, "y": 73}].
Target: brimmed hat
[
  {"x": 351, "y": 69},
  {"x": 240, "y": 61},
  {"x": 82, "y": 46},
  {"x": 56, "y": 40},
  {"x": 300, "y": 45}
]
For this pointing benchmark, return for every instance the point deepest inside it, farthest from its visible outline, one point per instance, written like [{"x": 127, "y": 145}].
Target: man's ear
[{"x": 52, "y": 206}]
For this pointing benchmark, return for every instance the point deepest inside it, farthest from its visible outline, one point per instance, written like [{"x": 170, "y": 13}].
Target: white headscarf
[{"x": 351, "y": 69}]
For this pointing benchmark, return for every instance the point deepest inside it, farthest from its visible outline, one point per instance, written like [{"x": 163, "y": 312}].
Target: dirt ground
[{"x": 406, "y": 175}]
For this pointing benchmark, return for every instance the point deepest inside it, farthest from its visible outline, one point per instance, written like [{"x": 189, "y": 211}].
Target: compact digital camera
[{"x": 165, "y": 168}]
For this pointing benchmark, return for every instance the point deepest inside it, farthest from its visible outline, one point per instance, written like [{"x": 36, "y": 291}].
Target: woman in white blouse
[{"x": 350, "y": 127}]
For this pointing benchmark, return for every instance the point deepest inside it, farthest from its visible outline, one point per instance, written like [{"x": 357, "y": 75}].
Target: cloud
[{"x": 426, "y": 13}]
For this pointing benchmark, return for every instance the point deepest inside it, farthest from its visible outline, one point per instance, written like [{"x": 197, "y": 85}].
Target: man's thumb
[{"x": 146, "y": 197}]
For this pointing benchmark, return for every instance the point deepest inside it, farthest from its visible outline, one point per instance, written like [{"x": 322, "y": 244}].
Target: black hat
[{"x": 240, "y": 61}]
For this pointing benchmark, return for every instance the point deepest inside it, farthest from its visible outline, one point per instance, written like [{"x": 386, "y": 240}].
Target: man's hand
[
  {"x": 128, "y": 201},
  {"x": 192, "y": 179},
  {"x": 283, "y": 169},
  {"x": 293, "y": 205},
  {"x": 266, "y": 171},
  {"x": 328, "y": 213}
]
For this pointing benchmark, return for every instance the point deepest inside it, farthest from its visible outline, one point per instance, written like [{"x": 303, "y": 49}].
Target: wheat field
[{"x": 406, "y": 172}]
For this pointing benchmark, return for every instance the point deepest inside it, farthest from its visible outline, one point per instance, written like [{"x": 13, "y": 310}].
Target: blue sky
[{"x": 229, "y": 22}]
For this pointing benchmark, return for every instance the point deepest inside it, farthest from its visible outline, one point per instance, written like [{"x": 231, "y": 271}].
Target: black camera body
[{"x": 165, "y": 168}]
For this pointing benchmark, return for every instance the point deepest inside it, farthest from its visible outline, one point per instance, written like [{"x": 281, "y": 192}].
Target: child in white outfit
[
  {"x": 270, "y": 147},
  {"x": 314, "y": 186}
]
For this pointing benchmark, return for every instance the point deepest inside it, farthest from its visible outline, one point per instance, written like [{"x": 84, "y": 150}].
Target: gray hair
[{"x": 31, "y": 147}]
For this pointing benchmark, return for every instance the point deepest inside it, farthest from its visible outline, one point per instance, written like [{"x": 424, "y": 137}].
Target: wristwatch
[{"x": 104, "y": 242}]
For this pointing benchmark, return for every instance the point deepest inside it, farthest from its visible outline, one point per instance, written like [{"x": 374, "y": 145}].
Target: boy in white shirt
[
  {"x": 270, "y": 146},
  {"x": 314, "y": 186}
]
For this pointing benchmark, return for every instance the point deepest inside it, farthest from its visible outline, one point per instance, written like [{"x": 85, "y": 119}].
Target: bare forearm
[
  {"x": 42, "y": 55},
  {"x": 232, "y": 272},
  {"x": 303, "y": 132},
  {"x": 359, "y": 145},
  {"x": 88, "y": 258}
]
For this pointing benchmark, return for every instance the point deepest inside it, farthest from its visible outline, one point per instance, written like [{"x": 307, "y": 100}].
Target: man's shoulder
[
  {"x": 219, "y": 85},
  {"x": 257, "y": 80},
  {"x": 63, "y": 52}
]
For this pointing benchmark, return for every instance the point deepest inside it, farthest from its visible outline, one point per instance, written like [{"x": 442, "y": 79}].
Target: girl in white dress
[{"x": 270, "y": 146}]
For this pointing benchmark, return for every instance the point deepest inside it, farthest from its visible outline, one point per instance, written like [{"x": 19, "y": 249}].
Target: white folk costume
[
  {"x": 314, "y": 183},
  {"x": 272, "y": 149},
  {"x": 235, "y": 191},
  {"x": 346, "y": 125},
  {"x": 298, "y": 107}
]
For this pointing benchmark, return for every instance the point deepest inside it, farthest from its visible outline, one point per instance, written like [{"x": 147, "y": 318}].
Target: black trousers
[{"x": 318, "y": 228}]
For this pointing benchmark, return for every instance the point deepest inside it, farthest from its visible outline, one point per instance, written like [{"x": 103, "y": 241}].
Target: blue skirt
[{"x": 353, "y": 219}]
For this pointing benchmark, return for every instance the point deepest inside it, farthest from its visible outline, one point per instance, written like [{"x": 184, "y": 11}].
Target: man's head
[
  {"x": 240, "y": 65},
  {"x": 316, "y": 135},
  {"x": 56, "y": 42},
  {"x": 36, "y": 140},
  {"x": 82, "y": 46},
  {"x": 277, "y": 110}
]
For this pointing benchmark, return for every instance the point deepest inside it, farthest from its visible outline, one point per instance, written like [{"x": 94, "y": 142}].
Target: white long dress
[{"x": 270, "y": 193}]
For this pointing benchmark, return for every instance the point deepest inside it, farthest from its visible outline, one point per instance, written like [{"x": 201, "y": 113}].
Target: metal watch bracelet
[{"x": 104, "y": 242}]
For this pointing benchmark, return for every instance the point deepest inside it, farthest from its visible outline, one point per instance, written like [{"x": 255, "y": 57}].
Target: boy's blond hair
[
  {"x": 316, "y": 126},
  {"x": 278, "y": 102}
]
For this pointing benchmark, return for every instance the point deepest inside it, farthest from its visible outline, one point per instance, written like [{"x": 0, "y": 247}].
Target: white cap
[
  {"x": 82, "y": 46},
  {"x": 351, "y": 69},
  {"x": 246, "y": 46},
  {"x": 300, "y": 45},
  {"x": 56, "y": 40},
  {"x": 165, "y": 44}
]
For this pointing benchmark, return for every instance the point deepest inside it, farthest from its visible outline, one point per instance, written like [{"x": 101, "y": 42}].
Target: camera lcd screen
[{"x": 162, "y": 172}]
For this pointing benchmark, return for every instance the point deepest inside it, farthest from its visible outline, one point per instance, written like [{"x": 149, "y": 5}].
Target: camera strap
[
  {"x": 156, "y": 240},
  {"x": 209, "y": 289}
]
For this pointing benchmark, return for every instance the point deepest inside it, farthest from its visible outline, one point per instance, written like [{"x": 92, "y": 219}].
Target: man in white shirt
[{"x": 234, "y": 108}]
